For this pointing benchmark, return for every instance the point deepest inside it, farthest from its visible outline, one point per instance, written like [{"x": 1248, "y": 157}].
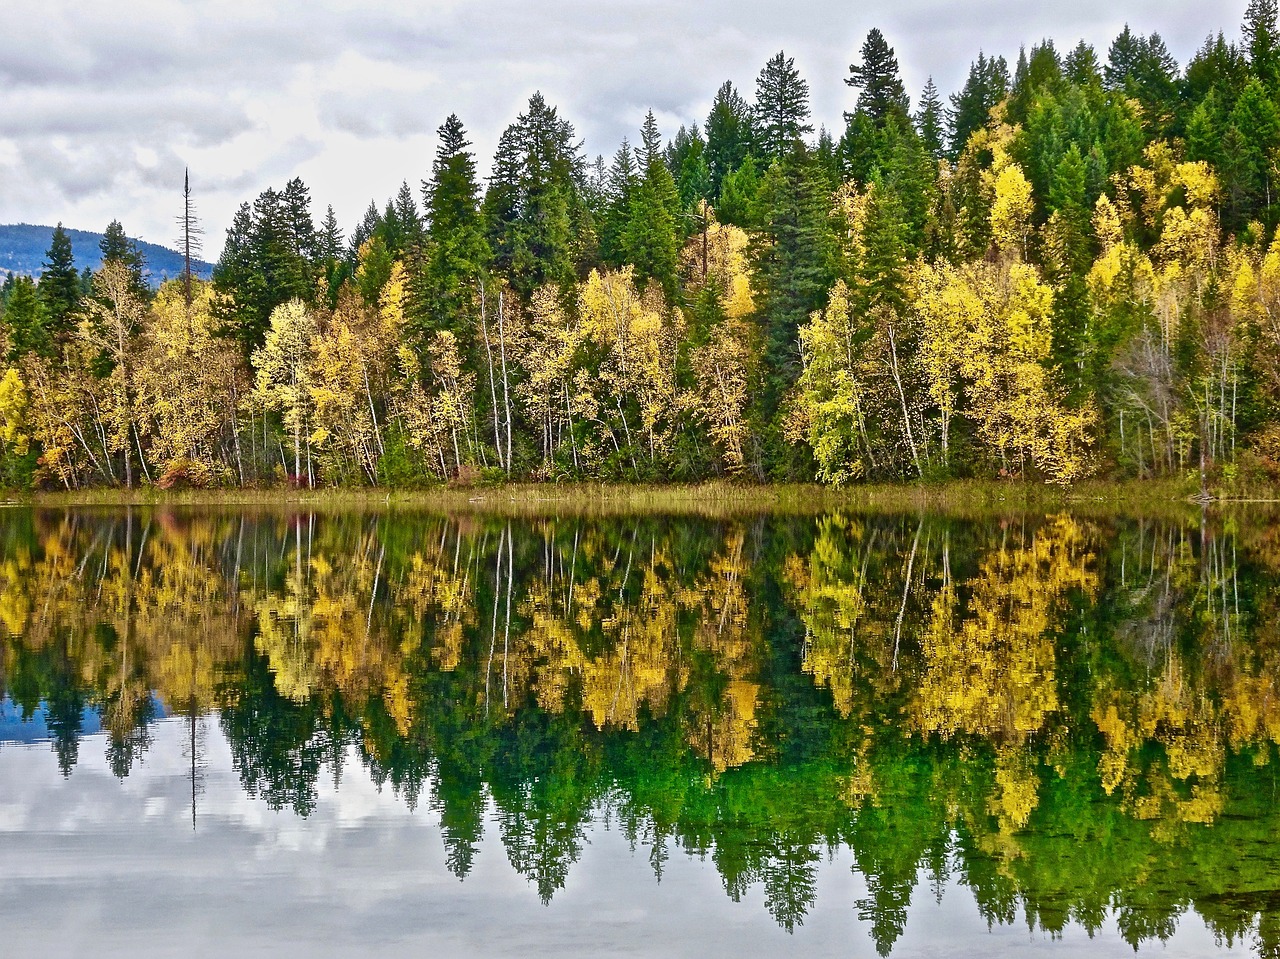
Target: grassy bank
[{"x": 959, "y": 498}]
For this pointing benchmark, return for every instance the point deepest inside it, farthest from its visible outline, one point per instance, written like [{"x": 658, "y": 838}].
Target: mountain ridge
[{"x": 24, "y": 248}]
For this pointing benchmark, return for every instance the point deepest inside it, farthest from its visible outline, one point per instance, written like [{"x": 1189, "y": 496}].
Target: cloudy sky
[
  {"x": 98, "y": 866},
  {"x": 103, "y": 104}
]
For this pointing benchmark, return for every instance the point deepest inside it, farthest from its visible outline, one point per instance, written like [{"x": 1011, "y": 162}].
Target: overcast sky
[{"x": 103, "y": 104}]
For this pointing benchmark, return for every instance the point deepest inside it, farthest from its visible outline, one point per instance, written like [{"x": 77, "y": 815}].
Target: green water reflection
[{"x": 1077, "y": 719}]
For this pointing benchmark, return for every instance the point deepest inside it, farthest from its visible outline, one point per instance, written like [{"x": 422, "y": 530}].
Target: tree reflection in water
[{"x": 1076, "y": 718}]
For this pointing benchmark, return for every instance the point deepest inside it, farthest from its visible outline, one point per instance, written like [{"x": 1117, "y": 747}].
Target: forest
[
  {"x": 1077, "y": 719},
  {"x": 1068, "y": 268}
]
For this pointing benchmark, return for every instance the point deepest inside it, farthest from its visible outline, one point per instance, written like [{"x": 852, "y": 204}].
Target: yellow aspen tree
[
  {"x": 1011, "y": 209},
  {"x": 548, "y": 393},
  {"x": 637, "y": 337},
  {"x": 114, "y": 318},
  {"x": 191, "y": 383},
  {"x": 830, "y": 402},
  {"x": 284, "y": 365},
  {"x": 725, "y": 368},
  {"x": 13, "y": 412},
  {"x": 948, "y": 307},
  {"x": 718, "y": 253}
]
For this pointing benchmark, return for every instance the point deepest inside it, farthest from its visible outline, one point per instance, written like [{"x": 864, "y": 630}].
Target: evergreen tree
[
  {"x": 1142, "y": 68},
  {"x": 458, "y": 254},
  {"x": 729, "y": 134},
  {"x": 60, "y": 286},
  {"x": 333, "y": 262},
  {"x": 408, "y": 221},
  {"x": 1256, "y": 117},
  {"x": 794, "y": 259},
  {"x": 782, "y": 107},
  {"x": 241, "y": 285},
  {"x": 738, "y": 195},
  {"x": 268, "y": 258},
  {"x": 685, "y": 158},
  {"x": 929, "y": 121},
  {"x": 1262, "y": 39},
  {"x": 1219, "y": 66},
  {"x": 987, "y": 85},
  {"x": 1204, "y": 131},
  {"x": 116, "y": 246},
  {"x": 826, "y": 157},
  {"x": 1041, "y": 72},
  {"x": 535, "y": 199},
  {"x": 370, "y": 224},
  {"x": 26, "y": 320},
  {"x": 298, "y": 224},
  {"x": 908, "y": 172},
  {"x": 877, "y": 77},
  {"x": 1081, "y": 66},
  {"x": 649, "y": 239},
  {"x": 620, "y": 185}
]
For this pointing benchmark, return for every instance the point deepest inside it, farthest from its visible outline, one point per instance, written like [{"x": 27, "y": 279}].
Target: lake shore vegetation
[{"x": 1067, "y": 271}]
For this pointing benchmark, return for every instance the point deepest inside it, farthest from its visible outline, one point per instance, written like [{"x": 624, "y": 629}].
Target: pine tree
[
  {"x": 987, "y": 85},
  {"x": 117, "y": 247},
  {"x": 241, "y": 285},
  {"x": 370, "y": 224},
  {"x": 332, "y": 263},
  {"x": 794, "y": 259},
  {"x": 738, "y": 194},
  {"x": 929, "y": 121},
  {"x": 621, "y": 183},
  {"x": 60, "y": 287},
  {"x": 1256, "y": 117},
  {"x": 877, "y": 77},
  {"x": 729, "y": 134},
  {"x": 26, "y": 320},
  {"x": 1081, "y": 66},
  {"x": 458, "y": 254},
  {"x": 1142, "y": 68},
  {"x": 649, "y": 239},
  {"x": 1219, "y": 66},
  {"x": 782, "y": 106},
  {"x": 299, "y": 226},
  {"x": 1262, "y": 38},
  {"x": 535, "y": 199},
  {"x": 408, "y": 220}
]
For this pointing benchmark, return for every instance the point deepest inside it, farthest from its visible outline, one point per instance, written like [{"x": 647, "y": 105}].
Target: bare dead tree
[{"x": 189, "y": 239}]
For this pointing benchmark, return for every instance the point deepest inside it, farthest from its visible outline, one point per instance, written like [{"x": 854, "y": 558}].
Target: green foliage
[
  {"x": 882, "y": 95},
  {"x": 781, "y": 110}
]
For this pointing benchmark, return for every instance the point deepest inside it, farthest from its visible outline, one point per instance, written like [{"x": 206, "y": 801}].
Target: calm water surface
[{"x": 256, "y": 733}]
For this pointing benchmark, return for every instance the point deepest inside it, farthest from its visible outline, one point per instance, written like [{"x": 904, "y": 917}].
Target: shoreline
[{"x": 714, "y": 499}]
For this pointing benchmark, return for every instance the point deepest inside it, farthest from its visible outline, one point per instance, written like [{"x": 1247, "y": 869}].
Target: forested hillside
[
  {"x": 1067, "y": 268},
  {"x": 24, "y": 247}
]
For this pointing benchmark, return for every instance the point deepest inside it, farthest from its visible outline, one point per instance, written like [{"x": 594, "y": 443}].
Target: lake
[{"x": 394, "y": 733}]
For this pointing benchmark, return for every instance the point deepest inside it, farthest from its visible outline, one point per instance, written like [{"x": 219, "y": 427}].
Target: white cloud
[{"x": 348, "y": 96}]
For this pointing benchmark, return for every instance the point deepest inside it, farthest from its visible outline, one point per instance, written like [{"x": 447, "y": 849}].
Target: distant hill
[{"x": 23, "y": 248}]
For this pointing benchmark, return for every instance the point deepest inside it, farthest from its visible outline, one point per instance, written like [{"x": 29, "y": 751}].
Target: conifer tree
[
  {"x": 649, "y": 239},
  {"x": 117, "y": 247},
  {"x": 728, "y": 128},
  {"x": 782, "y": 106},
  {"x": 987, "y": 85},
  {"x": 793, "y": 256},
  {"x": 882, "y": 94},
  {"x": 1262, "y": 39},
  {"x": 535, "y": 198},
  {"x": 929, "y": 121},
  {"x": 458, "y": 254},
  {"x": 26, "y": 321},
  {"x": 60, "y": 286}
]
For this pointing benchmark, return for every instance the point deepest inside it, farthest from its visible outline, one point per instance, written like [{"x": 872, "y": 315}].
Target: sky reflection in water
[{"x": 837, "y": 734}]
